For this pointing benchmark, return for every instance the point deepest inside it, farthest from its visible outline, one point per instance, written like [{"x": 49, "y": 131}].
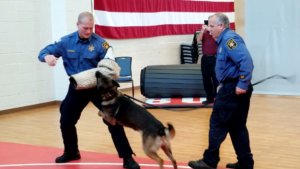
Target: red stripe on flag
[
  {"x": 162, "y": 5},
  {"x": 147, "y": 31}
]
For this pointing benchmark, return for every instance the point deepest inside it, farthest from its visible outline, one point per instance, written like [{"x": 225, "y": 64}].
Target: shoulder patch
[
  {"x": 231, "y": 44},
  {"x": 105, "y": 45}
]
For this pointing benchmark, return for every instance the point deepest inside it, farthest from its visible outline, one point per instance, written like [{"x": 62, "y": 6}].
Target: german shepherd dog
[{"x": 117, "y": 108}]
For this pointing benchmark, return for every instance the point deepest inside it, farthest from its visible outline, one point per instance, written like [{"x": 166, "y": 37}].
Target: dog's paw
[
  {"x": 113, "y": 121},
  {"x": 100, "y": 113},
  {"x": 110, "y": 120}
]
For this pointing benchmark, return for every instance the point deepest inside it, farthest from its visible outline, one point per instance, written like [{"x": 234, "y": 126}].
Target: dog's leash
[{"x": 288, "y": 78}]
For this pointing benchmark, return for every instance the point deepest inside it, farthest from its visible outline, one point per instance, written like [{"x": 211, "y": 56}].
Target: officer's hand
[
  {"x": 239, "y": 91},
  {"x": 50, "y": 60},
  {"x": 204, "y": 28}
]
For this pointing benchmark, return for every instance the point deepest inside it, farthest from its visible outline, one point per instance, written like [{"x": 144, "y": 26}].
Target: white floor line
[{"x": 82, "y": 164}]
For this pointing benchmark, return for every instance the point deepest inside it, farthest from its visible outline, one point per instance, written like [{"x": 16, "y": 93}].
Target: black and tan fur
[{"x": 118, "y": 108}]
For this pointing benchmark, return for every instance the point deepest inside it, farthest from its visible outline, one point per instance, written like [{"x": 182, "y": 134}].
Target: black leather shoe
[
  {"x": 66, "y": 157},
  {"x": 233, "y": 165},
  {"x": 199, "y": 164},
  {"x": 129, "y": 163}
]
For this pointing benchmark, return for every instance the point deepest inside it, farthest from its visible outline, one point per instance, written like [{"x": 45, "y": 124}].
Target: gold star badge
[
  {"x": 231, "y": 44},
  {"x": 91, "y": 48}
]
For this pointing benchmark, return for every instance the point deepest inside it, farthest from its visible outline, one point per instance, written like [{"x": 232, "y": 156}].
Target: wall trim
[{"x": 29, "y": 107}]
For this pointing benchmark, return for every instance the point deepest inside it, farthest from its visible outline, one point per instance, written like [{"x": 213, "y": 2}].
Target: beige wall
[
  {"x": 239, "y": 7},
  {"x": 25, "y": 26},
  {"x": 150, "y": 51}
]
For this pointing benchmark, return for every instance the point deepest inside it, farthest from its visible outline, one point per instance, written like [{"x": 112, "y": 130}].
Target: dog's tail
[{"x": 171, "y": 130}]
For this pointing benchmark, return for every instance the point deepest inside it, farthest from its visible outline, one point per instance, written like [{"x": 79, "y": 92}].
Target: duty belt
[{"x": 230, "y": 80}]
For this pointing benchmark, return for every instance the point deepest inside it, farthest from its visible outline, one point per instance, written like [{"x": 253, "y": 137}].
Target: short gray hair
[
  {"x": 221, "y": 19},
  {"x": 84, "y": 15}
]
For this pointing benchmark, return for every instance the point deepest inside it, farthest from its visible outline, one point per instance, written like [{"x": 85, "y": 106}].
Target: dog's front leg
[
  {"x": 101, "y": 114},
  {"x": 109, "y": 119}
]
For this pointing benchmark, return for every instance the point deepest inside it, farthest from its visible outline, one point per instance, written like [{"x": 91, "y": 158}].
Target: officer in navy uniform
[
  {"x": 81, "y": 51},
  {"x": 234, "y": 67}
]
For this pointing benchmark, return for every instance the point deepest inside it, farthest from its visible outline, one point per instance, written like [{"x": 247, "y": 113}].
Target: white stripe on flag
[{"x": 120, "y": 19}]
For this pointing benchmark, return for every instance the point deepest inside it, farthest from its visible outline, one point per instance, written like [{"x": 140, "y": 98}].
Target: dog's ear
[
  {"x": 98, "y": 74},
  {"x": 115, "y": 83}
]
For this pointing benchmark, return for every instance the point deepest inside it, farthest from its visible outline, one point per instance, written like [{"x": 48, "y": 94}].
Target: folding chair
[{"x": 126, "y": 73}]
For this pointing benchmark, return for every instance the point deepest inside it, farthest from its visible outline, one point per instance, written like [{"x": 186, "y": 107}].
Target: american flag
[{"x": 124, "y": 19}]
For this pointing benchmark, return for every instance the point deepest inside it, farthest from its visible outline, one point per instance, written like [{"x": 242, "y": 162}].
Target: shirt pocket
[
  {"x": 71, "y": 59},
  {"x": 72, "y": 54},
  {"x": 91, "y": 58}
]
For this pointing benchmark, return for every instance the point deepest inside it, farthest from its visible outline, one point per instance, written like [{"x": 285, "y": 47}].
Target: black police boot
[
  {"x": 199, "y": 164},
  {"x": 233, "y": 165},
  {"x": 66, "y": 157},
  {"x": 129, "y": 163}
]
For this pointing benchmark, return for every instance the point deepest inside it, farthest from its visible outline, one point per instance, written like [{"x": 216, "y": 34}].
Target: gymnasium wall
[
  {"x": 28, "y": 25},
  {"x": 25, "y": 26},
  {"x": 272, "y": 36}
]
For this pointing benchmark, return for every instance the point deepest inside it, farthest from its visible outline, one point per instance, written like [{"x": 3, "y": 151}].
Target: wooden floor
[{"x": 273, "y": 123}]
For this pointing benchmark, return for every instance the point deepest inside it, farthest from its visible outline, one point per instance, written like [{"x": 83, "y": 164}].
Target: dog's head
[{"x": 106, "y": 87}]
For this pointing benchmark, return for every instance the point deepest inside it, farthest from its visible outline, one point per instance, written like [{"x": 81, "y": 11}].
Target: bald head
[{"x": 85, "y": 25}]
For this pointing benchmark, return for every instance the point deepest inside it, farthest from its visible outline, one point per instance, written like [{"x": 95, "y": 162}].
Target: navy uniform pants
[
  {"x": 71, "y": 108},
  {"x": 229, "y": 115},
  {"x": 210, "y": 82}
]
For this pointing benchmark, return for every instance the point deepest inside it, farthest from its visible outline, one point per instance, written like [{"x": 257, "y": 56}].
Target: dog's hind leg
[
  {"x": 155, "y": 157},
  {"x": 151, "y": 145},
  {"x": 167, "y": 149}
]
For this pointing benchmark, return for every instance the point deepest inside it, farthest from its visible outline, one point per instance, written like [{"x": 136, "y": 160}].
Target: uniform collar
[
  {"x": 219, "y": 39},
  {"x": 78, "y": 40}
]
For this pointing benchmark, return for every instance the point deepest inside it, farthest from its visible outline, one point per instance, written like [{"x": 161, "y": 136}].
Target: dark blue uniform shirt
[
  {"x": 233, "y": 59},
  {"x": 77, "y": 55}
]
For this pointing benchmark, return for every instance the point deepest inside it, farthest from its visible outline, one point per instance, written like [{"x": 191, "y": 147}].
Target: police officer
[
  {"x": 234, "y": 68},
  {"x": 80, "y": 51}
]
